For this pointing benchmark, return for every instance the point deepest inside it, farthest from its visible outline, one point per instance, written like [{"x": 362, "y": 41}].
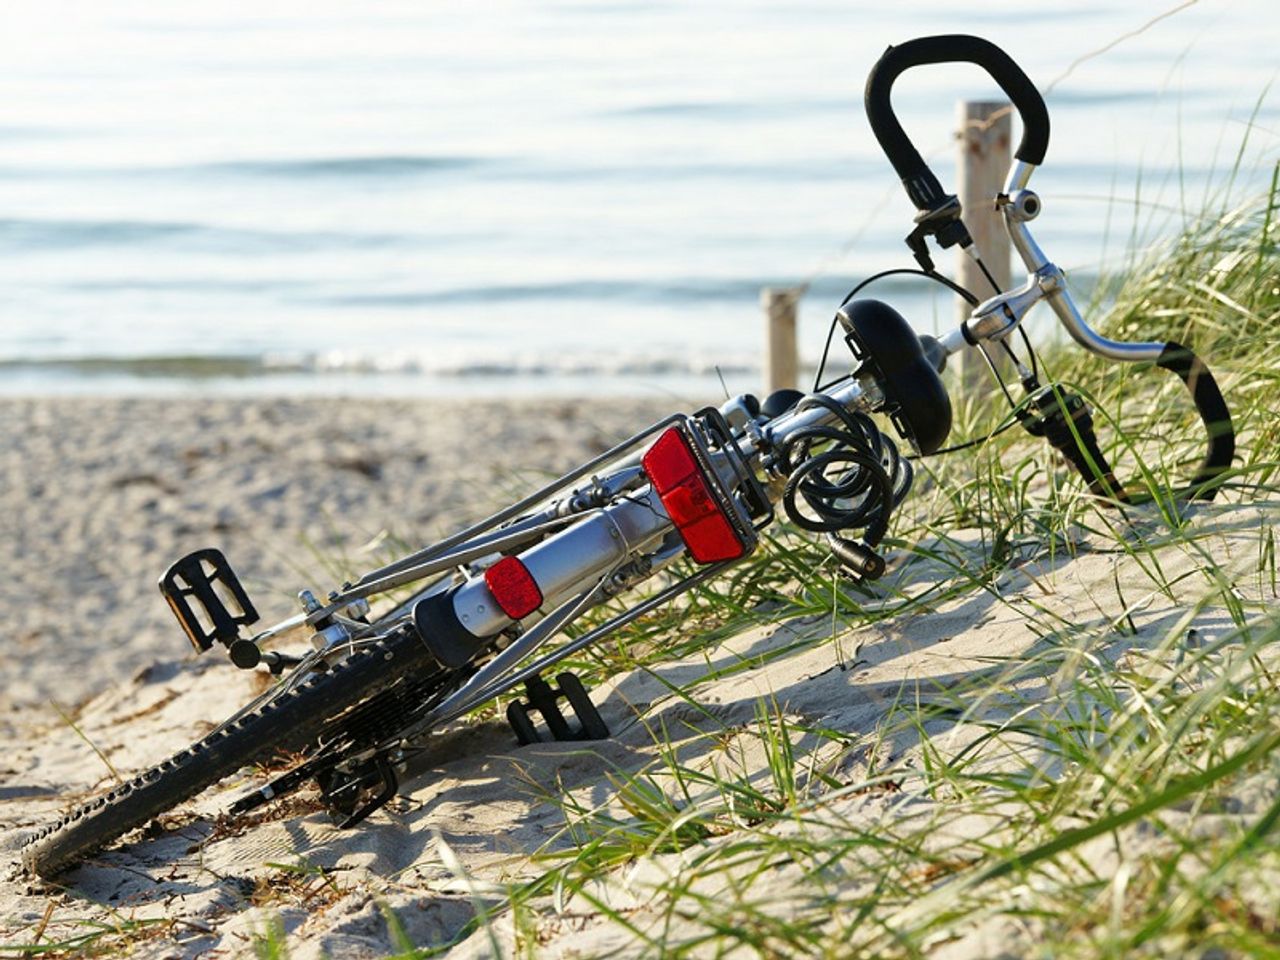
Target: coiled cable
[{"x": 854, "y": 482}]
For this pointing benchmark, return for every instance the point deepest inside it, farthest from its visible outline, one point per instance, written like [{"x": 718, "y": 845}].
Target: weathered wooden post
[
  {"x": 985, "y": 135},
  {"x": 781, "y": 362}
]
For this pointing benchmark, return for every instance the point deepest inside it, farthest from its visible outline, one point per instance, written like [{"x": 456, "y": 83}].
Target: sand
[{"x": 102, "y": 494}]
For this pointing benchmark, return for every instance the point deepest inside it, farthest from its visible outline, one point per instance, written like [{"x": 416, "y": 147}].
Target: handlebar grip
[
  {"x": 922, "y": 186},
  {"x": 1212, "y": 409}
]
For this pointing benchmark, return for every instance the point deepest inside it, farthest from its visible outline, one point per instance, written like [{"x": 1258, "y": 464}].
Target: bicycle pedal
[
  {"x": 544, "y": 699},
  {"x": 206, "y": 596}
]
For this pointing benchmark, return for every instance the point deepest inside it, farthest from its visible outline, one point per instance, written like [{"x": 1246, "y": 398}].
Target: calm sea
[{"x": 415, "y": 197}]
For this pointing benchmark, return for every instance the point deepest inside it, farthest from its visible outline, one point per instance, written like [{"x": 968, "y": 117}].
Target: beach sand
[{"x": 102, "y": 494}]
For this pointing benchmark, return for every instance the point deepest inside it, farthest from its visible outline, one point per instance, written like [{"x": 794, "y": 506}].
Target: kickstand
[{"x": 543, "y": 699}]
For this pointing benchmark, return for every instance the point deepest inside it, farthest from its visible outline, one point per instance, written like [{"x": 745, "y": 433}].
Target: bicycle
[{"x": 685, "y": 498}]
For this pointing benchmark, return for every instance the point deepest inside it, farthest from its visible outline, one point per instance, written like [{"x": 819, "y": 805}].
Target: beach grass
[{"x": 1110, "y": 792}]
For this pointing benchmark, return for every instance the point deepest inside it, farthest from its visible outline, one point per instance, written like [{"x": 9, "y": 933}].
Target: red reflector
[
  {"x": 688, "y": 501},
  {"x": 683, "y": 490},
  {"x": 513, "y": 588}
]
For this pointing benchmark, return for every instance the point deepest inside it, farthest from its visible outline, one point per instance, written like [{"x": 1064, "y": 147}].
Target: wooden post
[
  {"x": 985, "y": 135},
  {"x": 781, "y": 363}
]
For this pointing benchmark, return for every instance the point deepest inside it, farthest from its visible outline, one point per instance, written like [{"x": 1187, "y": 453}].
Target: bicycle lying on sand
[{"x": 685, "y": 499}]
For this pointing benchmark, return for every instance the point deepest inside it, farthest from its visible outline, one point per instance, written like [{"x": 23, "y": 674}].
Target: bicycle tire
[{"x": 296, "y": 715}]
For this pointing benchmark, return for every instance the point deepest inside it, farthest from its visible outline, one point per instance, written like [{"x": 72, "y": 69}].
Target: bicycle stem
[{"x": 997, "y": 317}]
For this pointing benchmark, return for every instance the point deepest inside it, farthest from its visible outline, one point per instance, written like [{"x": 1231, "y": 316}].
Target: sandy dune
[{"x": 102, "y": 494}]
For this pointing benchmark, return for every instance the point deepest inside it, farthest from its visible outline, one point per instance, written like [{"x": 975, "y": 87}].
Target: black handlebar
[
  {"x": 1049, "y": 413},
  {"x": 922, "y": 186},
  {"x": 1213, "y": 413},
  {"x": 940, "y": 216}
]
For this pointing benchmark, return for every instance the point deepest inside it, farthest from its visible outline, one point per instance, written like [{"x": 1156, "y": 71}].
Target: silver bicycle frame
[
  {"x": 497, "y": 676},
  {"x": 592, "y": 551}
]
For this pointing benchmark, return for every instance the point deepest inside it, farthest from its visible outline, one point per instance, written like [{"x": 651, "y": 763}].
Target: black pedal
[
  {"x": 545, "y": 700},
  {"x": 207, "y": 598}
]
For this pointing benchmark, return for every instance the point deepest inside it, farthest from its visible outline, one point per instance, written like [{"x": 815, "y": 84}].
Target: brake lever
[{"x": 943, "y": 221}]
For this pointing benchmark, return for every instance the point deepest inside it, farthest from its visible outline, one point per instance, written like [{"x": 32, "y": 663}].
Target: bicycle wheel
[{"x": 294, "y": 716}]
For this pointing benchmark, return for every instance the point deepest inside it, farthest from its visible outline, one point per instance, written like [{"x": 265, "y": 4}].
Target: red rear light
[
  {"x": 687, "y": 497},
  {"x": 513, "y": 588}
]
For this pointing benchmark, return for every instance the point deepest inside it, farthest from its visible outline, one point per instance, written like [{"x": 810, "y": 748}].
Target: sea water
[{"x": 410, "y": 197}]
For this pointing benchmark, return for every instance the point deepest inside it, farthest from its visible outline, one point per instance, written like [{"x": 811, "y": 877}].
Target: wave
[
  {"x": 420, "y": 363},
  {"x": 27, "y": 234},
  {"x": 290, "y": 168},
  {"x": 805, "y": 169},
  {"x": 825, "y": 291},
  {"x": 369, "y": 166},
  {"x": 738, "y": 109},
  {"x": 1075, "y": 96},
  {"x": 629, "y": 290},
  {"x": 507, "y": 169},
  {"x": 17, "y": 132},
  {"x": 677, "y": 289}
]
